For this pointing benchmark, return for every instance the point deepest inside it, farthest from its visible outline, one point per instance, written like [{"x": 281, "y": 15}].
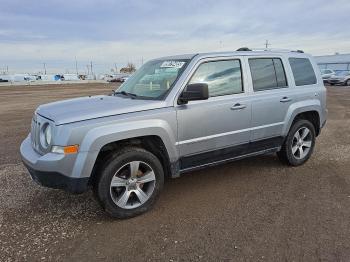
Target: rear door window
[
  {"x": 267, "y": 73},
  {"x": 302, "y": 71}
]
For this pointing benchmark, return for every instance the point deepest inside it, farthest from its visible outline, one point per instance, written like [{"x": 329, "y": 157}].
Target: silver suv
[{"x": 174, "y": 115}]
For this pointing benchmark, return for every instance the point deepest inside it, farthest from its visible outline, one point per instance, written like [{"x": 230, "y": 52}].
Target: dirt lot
[{"x": 251, "y": 210}]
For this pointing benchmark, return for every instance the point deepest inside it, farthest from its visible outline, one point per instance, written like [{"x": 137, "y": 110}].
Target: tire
[
  {"x": 137, "y": 177},
  {"x": 347, "y": 83},
  {"x": 296, "y": 152}
]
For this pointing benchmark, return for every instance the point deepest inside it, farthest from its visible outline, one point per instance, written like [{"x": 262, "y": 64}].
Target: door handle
[
  {"x": 285, "y": 99},
  {"x": 238, "y": 106}
]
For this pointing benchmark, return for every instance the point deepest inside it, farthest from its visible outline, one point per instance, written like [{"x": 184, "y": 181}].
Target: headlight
[{"x": 47, "y": 136}]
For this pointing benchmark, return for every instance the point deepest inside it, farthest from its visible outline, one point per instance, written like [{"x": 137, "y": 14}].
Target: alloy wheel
[
  {"x": 132, "y": 185},
  {"x": 301, "y": 143}
]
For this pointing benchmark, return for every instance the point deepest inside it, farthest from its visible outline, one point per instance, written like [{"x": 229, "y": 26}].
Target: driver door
[{"x": 218, "y": 128}]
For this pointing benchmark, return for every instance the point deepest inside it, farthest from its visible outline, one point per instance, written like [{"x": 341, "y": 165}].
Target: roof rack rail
[
  {"x": 243, "y": 49},
  {"x": 269, "y": 49}
]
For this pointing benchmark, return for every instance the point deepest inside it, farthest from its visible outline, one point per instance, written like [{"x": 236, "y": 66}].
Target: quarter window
[
  {"x": 302, "y": 71},
  {"x": 223, "y": 77},
  {"x": 267, "y": 73}
]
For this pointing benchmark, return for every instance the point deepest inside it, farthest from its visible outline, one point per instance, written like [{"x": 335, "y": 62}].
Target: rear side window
[
  {"x": 302, "y": 71},
  {"x": 223, "y": 77},
  {"x": 267, "y": 73}
]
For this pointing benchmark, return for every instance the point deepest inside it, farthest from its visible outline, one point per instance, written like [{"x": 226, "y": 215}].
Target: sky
[{"x": 112, "y": 33}]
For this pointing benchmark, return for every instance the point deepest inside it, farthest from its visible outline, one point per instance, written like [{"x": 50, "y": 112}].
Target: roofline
[{"x": 236, "y": 53}]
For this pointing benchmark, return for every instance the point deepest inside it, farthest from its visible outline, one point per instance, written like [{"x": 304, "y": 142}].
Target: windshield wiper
[{"x": 131, "y": 95}]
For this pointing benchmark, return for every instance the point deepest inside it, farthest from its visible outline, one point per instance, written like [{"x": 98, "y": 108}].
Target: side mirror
[{"x": 197, "y": 91}]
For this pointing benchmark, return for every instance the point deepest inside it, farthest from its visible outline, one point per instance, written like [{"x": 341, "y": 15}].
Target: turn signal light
[
  {"x": 65, "y": 149},
  {"x": 71, "y": 149}
]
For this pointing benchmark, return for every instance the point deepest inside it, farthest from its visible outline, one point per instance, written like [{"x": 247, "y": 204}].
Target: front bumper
[{"x": 52, "y": 170}]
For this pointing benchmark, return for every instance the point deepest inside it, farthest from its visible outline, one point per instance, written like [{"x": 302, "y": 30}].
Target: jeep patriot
[{"x": 174, "y": 115}]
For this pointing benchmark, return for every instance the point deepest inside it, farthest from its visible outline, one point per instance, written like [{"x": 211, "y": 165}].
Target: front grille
[{"x": 35, "y": 133}]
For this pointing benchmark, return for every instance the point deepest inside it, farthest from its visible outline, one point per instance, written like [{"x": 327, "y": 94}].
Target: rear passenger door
[{"x": 270, "y": 98}]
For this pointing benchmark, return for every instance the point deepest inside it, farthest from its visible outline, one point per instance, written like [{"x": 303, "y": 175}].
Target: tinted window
[
  {"x": 222, "y": 77},
  {"x": 302, "y": 71},
  {"x": 267, "y": 73}
]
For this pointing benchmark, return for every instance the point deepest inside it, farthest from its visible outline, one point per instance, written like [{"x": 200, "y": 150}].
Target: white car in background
[
  {"x": 340, "y": 78},
  {"x": 326, "y": 74},
  {"x": 124, "y": 78}
]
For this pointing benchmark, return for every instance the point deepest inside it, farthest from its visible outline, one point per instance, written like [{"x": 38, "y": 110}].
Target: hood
[{"x": 84, "y": 108}]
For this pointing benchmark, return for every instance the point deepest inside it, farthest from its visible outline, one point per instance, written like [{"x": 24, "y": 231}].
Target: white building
[
  {"x": 18, "y": 77},
  {"x": 339, "y": 62}
]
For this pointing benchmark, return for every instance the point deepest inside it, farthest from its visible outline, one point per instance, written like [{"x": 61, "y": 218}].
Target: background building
[{"x": 338, "y": 62}]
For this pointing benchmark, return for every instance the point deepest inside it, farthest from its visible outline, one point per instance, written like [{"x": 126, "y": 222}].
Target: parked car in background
[
  {"x": 175, "y": 115},
  {"x": 117, "y": 78},
  {"x": 326, "y": 74},
  {"x": 340, "y": 78},
  {"x": 124, "y": 78}
]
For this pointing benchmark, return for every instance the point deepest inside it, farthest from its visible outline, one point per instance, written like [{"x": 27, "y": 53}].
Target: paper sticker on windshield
[{"x": 172, "y": 64}]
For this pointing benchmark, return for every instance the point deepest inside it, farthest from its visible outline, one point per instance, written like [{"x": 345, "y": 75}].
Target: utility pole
[
  {"x": 45, "y": 68},
  {"x": 116, "y": 69},
  {"x": 220, "y": 45},
  {"x": 76, "y": 66},
  {"x": 88, "y": 69},
  {"x": 91, "y": 68},
  {"x": 267, "y": 44}
]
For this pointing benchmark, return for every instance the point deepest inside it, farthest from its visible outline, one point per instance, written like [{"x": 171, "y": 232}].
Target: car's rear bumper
[{"x": 52, "y": 170}]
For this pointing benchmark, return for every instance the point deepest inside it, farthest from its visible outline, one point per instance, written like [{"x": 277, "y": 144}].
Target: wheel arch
[
  {"x": 151, "y": 143},
  {"x": 150, "y": 133},
  {"x": 310, "y": 112}
]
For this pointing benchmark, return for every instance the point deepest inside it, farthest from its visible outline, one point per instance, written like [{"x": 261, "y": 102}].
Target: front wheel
[
  {"x": 299, "y": 143},
  {"x": 129, "y": 182}
]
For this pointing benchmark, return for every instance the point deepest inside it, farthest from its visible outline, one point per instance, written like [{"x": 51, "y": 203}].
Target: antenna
[{"x": 76, "y": 65}]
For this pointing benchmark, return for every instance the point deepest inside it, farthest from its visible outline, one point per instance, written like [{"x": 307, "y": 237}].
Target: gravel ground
[{"x": 250, "y": 210}]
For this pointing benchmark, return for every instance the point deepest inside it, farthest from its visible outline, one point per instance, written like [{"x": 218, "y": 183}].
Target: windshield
[
  {"x": 153, "y": 80},
  {"x": 342, "y": 73}
]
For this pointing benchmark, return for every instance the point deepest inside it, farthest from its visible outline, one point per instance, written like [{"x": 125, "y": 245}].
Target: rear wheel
[
  {"x": 299, "y": 143},
  {"x": 129, "y": 183}
]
